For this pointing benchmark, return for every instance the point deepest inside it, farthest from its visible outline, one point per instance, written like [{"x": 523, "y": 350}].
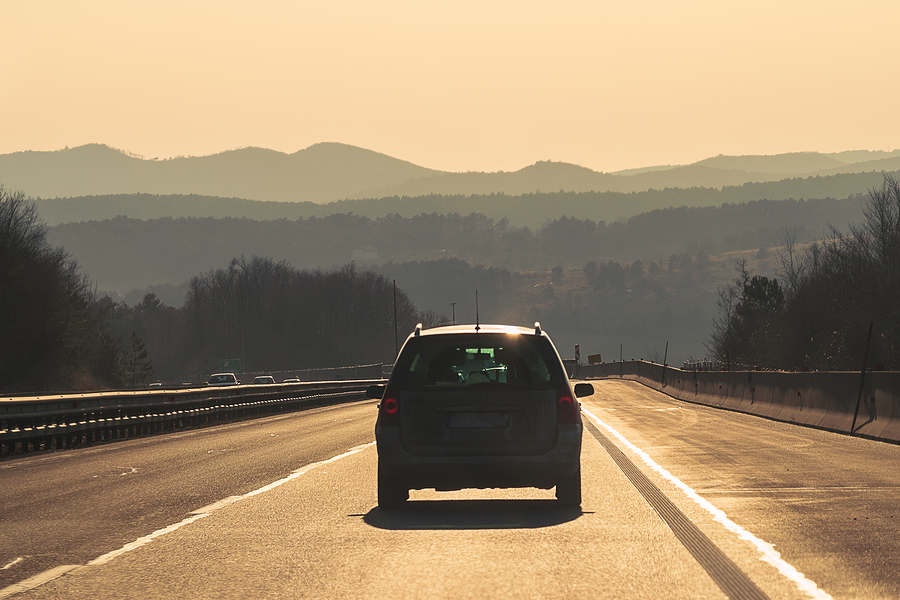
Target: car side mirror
[
  {"x": 583, "y": 389},
  {"x": 377, "y": 391}
]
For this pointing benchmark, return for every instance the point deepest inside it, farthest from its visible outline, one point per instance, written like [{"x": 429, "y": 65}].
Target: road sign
[{"x": 230, "y": 365}]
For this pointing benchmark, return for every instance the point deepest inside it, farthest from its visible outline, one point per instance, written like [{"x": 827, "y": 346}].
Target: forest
[
  {"x": 52, "y": 330},
  {"x": 531, "y": 209},
  {"x": 122, "y": 254},
  {"x": 272, "y": 316},
  {"x": 318, "y": 291},
  {"x": 832, "y": 307},
  {"x": 604, "y": 307},
  {"x": 280, "y": 318},
  {"x": 59, "y": 334}
]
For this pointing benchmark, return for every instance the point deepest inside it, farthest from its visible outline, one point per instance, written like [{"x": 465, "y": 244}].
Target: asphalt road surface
[{"x": 680, "y": 501}]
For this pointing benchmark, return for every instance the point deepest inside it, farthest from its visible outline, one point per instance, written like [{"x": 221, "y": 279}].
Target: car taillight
[
  {"x": 389, "y": 409},
  {"x": 566, "y": 407}
]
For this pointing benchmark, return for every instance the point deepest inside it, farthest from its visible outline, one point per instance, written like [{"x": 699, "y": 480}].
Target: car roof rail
[{"x": 537, "y": 328}]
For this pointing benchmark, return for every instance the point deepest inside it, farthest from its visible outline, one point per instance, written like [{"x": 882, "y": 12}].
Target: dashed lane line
[
  {"x": 198, "y": 514},
  {"x": 206, "y": 511},
  {"x": 12, "y": 564}
]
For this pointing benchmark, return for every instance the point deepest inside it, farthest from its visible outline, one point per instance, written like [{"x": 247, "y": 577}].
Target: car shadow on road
[{"x": 472, "y": 514}]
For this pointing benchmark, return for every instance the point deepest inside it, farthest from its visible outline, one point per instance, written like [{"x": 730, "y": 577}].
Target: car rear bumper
[{"x": 447, "y": 472}]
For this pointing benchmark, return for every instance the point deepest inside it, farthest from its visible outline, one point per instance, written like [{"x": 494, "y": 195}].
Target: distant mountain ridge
[
  {"x": 320, "y": 173},
  {"x": 530, "y": 210},
  {"x": 718, "y": 172},
  {"x": 795, "y": 163},
  {"x": 330, "y": 172}
]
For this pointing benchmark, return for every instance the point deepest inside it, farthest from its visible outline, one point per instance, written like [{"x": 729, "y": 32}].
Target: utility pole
[
  {"x": 665, "y": 363},
  {"x": 453, "y": 309}
]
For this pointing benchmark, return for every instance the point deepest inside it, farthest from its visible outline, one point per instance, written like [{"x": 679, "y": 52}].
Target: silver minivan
[{"x": 478, "y": 406}]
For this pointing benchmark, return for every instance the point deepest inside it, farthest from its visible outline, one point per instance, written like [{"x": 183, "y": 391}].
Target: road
[{"x": 680, "y": 501}]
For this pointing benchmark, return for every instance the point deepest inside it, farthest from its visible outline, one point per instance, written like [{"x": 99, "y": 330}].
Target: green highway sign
[{"x": 230, "y": 365}]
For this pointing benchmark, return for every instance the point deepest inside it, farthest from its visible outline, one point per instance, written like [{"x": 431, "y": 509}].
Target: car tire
[
  {"x": 568, "y": 490},
  {"x": 391, "y": 493}
]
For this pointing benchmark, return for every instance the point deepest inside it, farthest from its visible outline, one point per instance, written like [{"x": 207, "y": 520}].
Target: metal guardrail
[
  {"x": 71, "y": 420},
  {"x": 863, "y": 403}
]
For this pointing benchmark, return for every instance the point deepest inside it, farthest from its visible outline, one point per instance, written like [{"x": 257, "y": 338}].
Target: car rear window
[{"x": 466, "y": 360}]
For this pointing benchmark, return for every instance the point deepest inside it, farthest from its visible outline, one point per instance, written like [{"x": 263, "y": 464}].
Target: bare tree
[
  {"x": 52, "y": 327},
  {"x": 833, "y": 290},
  {"x": 721, "y": 343}
]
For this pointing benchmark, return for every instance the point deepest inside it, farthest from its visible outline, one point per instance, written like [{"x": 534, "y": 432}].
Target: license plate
[{"x": 482, "y": 420}]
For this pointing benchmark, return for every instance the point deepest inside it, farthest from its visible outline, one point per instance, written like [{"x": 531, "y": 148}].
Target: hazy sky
[{"x": 459, "y": 86}]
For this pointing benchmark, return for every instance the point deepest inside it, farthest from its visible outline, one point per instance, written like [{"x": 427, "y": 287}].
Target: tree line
[
  {"x": 528, "y": 209},
  {"x": 272, "y": 316},
  {"x": 818, "y": 312},
  {"x": 51, "y": 325},
  {"x": 59, "y": 334},
  {"x": 173, "y": 250}
]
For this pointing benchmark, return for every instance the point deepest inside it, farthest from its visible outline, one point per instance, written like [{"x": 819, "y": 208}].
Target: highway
[{"x": 680, "y": 501}]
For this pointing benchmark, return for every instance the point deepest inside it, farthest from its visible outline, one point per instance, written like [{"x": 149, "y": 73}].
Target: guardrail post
[{"x": 862, "y": 378}]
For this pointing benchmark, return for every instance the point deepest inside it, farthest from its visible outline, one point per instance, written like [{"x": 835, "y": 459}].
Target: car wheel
[
  {"x": 568, "y": 490},
  {"x": 391, "y": 494}
]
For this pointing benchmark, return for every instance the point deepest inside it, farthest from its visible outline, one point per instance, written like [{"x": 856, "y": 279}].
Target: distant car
[
  {"x": 155, "y": 384},
  {"x": 486, "y": 406},
  {"x": 291, "y": 380},
  {"x": 263, "y": 380},
  {"x": 222, "y": 379}
]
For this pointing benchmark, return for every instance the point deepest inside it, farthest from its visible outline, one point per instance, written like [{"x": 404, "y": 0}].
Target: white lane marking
[
  {"x": 208, "y": 510},
  {"x": 767, "y": 551},
  {"x": 216, "y": 505},
  {"x": 37, "y": 580},
  {"x": 18, "y": 560},
  {"x": 144, "y": 540}
]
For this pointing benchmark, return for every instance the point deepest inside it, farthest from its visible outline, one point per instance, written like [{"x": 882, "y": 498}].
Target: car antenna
[{"x": 477, "y": 325}]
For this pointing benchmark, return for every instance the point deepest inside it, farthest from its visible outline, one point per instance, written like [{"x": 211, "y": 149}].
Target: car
[
  {"x": 219, "y": 379},
  {"x": 263, "y": 380},
  {"x": 291, "y": 380},
  {"x": 478, "y": 406}
]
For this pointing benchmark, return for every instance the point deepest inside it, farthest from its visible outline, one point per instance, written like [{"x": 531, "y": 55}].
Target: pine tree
[{"x": 137, "y": 366}]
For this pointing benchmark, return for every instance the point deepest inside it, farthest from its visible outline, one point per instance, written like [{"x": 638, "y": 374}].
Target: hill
[
  {"x": 156, "y": 206},
  {"x": 526, "y": 210},
  {"x": 794, "y": 163},
  {"x": 716, "y": 173},
  {"x": 122, "y": 254},
  {"x": 331, "y": 172},
  {"x": 320, "y": 173}
]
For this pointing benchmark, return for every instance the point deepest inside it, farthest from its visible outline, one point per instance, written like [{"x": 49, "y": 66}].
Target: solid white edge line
[
  {"x": 208, "y": 510},
  {"x": 37, "y": 580},
  {"x": 216, "y": 505},
  {"x": 767, "y": 551}
]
